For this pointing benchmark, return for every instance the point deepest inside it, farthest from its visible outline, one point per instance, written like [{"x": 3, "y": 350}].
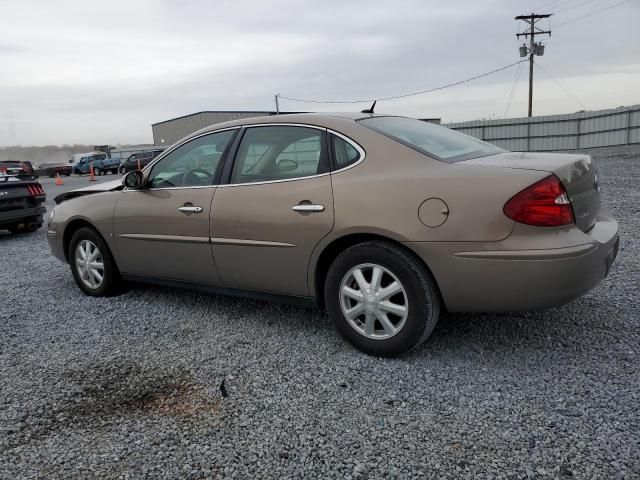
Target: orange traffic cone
[
  {"x": 92, "y": 177},
  {"x": 59, "y": 181}
]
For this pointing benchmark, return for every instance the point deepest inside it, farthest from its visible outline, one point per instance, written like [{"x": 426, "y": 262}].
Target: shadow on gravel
[
  {"x": 571, "y": 328},
  {"x": 109, "y": 390}
]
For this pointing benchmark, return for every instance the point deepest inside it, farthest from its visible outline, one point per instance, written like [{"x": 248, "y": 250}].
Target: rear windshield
[{"x": 438, "y": 142}]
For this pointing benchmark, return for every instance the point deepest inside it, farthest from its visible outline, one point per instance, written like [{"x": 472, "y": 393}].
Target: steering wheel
[{"x": 191, "y": 177}]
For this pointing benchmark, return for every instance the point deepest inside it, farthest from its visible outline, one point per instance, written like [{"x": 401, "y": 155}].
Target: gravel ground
[{"x": 164, "y": 383}]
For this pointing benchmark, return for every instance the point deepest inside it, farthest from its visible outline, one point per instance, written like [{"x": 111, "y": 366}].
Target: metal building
[{"x": 170, "y": 131}]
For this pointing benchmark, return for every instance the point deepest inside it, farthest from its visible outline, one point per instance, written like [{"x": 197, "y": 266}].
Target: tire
[
  {"x": 122, "y": 171},
  {"x": 87, "y": 237},
  {"x": 97, "y": 172},
  {"x": 418, "y": 298}
]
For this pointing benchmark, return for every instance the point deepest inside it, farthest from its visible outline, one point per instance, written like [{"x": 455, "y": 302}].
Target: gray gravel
[{"x": 132, "y": 387}]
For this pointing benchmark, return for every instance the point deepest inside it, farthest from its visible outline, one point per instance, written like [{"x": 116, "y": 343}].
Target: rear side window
[
  {"x": 433, "y": 140},
  {"x": 279, "y": 153},
  {"x": 344, "y": 154}
]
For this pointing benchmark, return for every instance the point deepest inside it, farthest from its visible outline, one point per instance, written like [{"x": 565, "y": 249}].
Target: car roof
[{"x": 328, "y": 120}]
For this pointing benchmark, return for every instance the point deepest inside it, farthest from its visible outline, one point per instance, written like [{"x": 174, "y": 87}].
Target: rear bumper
[
  {"x": 13, "y": 216},
  {"x": 496, "y": 279}
]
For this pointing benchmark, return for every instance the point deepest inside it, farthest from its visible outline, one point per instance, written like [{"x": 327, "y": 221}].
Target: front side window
[
  {"x": 433, "y": 140},
  {"x": 193, "y": 164},
  {"x": 279, "y": 153}
]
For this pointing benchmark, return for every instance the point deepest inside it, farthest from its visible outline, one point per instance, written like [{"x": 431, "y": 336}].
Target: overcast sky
[{"x": 103, "y": 72}]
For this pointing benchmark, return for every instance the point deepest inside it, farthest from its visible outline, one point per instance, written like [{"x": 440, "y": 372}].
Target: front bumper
[
  {"x": 498, "y": 279},
  {"x": 14, "y": 216},
  {"x": 56, "y": 243}
]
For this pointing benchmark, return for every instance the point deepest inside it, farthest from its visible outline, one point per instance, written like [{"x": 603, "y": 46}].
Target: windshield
[{"x": 438, "y": 142}]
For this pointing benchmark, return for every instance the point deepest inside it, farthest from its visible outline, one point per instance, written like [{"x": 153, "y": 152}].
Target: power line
[
  {"x": 573, "y": 6},
  {"x": 408, "y": 94},
  {"x": 554, "y": 4},
  {"x": 593, "y": 13},
  {"x": 513, "y": 89},
  {"x": 558, "y": 83}
]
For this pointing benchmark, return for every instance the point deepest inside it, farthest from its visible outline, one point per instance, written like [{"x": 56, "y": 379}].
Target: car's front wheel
[
  {"x": 381, "y": 299},
  {"x": 92, "y": 264}
]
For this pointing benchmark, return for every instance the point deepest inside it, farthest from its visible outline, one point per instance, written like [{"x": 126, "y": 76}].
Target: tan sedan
[{"x": 384, "y": 221}]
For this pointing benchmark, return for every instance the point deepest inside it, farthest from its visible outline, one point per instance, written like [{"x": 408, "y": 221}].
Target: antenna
[{"x": 370, "y": 110}]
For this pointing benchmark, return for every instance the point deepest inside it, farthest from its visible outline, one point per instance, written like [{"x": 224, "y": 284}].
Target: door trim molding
[
  {"x": 164, "y": 238},
  {"x": 249, "y": 243}
]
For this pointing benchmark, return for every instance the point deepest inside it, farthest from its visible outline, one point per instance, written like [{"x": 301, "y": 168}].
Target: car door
[
  {"x": 162, "y": 230},
  {"x": 275, "y": 208}
]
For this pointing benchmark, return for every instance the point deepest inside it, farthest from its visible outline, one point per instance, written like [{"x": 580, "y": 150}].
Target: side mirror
[
  {"x": 133, "y": 180},
  {"x": 286, "y": 165}
]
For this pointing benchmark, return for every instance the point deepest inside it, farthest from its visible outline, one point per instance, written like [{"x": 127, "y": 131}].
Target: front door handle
[
  {"x": 308, "y": 207},
  {"x": 190, "y": 209}
]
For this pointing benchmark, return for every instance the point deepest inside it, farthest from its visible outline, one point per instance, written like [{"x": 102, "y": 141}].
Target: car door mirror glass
[
  {"x": 286, "y": 165},
  {"x": 133, "y": 180}
]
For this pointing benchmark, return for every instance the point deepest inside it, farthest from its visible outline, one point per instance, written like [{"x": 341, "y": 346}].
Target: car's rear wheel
[
  {"x": 381, "y": 299},
  {"x": 92, "y": 264}
]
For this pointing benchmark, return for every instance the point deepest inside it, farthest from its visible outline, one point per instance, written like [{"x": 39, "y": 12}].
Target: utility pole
[
  {"x": 534, "y": 48},
  {"x": 277, "y": 104}
]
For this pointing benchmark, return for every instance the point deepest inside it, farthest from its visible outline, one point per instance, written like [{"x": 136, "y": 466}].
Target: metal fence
[{"x": 618, "y": 126}]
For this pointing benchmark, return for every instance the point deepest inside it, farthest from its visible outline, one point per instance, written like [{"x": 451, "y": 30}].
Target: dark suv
[
  {"x": 21, "y": 203},
  {"x": 139, "y": 160}
]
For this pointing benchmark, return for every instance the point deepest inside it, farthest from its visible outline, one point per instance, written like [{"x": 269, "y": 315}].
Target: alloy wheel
[
  {"x": 374, "y": 301},
  {"x": 89, "y": 264}
]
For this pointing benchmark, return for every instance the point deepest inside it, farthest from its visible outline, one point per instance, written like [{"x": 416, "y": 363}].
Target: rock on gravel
[{"x": 134, "y": 386}]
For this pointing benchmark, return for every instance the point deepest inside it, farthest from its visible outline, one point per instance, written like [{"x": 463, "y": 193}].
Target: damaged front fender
[{"x": 111, "y": 186}]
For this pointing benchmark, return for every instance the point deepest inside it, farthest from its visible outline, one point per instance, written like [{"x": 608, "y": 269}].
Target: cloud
[{"x": 103, "y": 72}]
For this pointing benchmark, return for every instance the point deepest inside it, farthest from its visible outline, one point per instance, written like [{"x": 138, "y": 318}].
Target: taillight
[
  {"x": 543, "y": 204},
  {"x": 35, "y": 190}
]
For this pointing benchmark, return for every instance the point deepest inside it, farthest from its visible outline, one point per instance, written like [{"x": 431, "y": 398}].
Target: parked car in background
[
  {"x": 139, "y": 160},
  {"x": 52, "y": 169},
  {"x": 21, "y": 203},
  {"x": 106, "y": 165},
  {"x": 83, "y": 162},
  {"x": 14, "y": 167},
  {"x": 383, "y": 220}
]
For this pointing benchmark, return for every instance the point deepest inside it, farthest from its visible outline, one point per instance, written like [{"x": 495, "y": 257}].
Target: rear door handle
[
  {"x": 190, "y": 209},
  {"x": 308, "y": 207}
]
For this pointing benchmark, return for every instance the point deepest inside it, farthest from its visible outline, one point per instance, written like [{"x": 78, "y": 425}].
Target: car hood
[{"x": 111, "y": 186}]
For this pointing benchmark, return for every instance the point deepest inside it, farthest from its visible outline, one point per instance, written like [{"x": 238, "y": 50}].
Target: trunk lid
[
  {"x": 577, "y": 172},
  {"x": 15, "y": 193}
]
